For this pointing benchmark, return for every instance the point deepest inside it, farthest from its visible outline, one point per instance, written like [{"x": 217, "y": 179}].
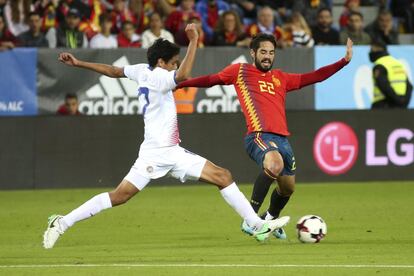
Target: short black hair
[
  {"x": 161, "y": 49},
  {"x": 324, "y": 9},
  {"x": 105, "y": 17},
  {"x": 125, "y": 23},
  {"x": 379, "y": 44},
  {"x": 155, "y": 13},
  {"x": 259, "y": 38},
  {"x": 356, "y": 13},
  {"x": 71, "y": 96}
]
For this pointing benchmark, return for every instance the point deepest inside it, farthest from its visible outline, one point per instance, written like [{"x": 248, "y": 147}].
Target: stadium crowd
[{"x": 137, "y": 23}]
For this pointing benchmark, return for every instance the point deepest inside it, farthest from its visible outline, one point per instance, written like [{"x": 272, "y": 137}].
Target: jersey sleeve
[
  {"x": 133, "y": 71},
  {"x": 229, "y": 74},
  {"x": 292, "y": 81}
]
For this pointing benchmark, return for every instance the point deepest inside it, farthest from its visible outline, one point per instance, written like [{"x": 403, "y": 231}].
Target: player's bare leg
[
  {"x": 223, "y": 179},
  {"x": 58, "y": 224},
  {"x": 124, "y": 192}
]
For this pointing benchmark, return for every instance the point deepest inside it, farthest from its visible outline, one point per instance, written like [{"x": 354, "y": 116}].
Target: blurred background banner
[
  {"x": 352, "y": 88},
  {"x": 18, "y": 82},
  {"x": 100, "y": 95}
]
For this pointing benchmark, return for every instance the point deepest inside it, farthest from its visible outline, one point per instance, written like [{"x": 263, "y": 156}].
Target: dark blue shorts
[{"x": 257, "y": 144}]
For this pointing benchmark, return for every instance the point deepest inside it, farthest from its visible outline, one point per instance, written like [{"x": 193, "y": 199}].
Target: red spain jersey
[{"x": 262, "y": 95}]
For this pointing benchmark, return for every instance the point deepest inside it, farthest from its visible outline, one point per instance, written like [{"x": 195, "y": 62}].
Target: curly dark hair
[
  {"x": 161, "y": 49},
  {"x": 259, "y": 38}
]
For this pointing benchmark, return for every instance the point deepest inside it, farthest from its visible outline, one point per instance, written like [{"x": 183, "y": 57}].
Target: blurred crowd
[{"x": 137, "y": 23}]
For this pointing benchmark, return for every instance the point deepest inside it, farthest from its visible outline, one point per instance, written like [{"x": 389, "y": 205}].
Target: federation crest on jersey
[{"x": 276, "y": 81}]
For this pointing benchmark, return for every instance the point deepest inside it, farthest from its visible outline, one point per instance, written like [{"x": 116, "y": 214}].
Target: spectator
[
  {"x": 310, "y": 9},
  {"x": 355, "y": 30},
  {"x": 7, "y": 40},
  {"x": 166, "y": 7},
  {"x": 229, "y": 31},
  {"x": 392, "y": 88},
  {"x": 323, "y": 32},
  {"x": 246, "y": 9},
  {"x": 382, "y": 29},
  {"x": 34, "y": 36},
  {"x": 265, "y": 24},
  {"x": 47, "y": 11},
  {"x": 90, "y": 26},
  {"x": 404, "y": 11},
  {"x": 67, "y": 35},
  {"x": 120, "y": 14},
  {"x": 210, "y": 11},
  {"x": 104, "y": 39},
  {"x": 282, "y": 9},
  {"x": 181, "y": 37},
  {"x": 83, "y": 7},
  {"x": 16, "y": 13},
  {"x": 142, "y": 10},
  {"x": 155, "y": 31},
  {"x": 297, "y": 32},
  {"x": 127, "y": 37},
  {"x": 349, "y": 7},
  {"x": 70, "y": 107},
  {"x": 178, "y": 19}
]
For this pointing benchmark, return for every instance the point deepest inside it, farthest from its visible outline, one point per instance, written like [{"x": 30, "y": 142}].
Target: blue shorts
[{"x": 257, "y": 144}]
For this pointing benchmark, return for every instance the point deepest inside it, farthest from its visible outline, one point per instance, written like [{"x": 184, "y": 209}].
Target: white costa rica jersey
[{"x": 158, "y": 106}]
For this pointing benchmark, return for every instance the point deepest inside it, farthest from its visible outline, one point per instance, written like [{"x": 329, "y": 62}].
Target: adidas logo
[
  {"x": 111, "y": 96},
  {"x": 221, "y": 98}
]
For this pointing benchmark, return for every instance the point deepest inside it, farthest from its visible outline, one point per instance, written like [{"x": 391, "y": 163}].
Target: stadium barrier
[{"x": 92, "y": 151}]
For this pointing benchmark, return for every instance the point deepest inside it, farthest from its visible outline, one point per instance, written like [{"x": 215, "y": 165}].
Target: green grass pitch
[{"x": 189, "y": 230}]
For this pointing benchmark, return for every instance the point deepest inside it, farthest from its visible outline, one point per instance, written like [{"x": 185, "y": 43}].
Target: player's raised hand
[
  {"x": 348, "y": 55},
  {"x": 68, "y": 59},
  {"x": 191, "y": 31}
]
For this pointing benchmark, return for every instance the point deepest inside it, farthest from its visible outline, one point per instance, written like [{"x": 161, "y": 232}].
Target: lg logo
[{"x": 335, "y": 148}]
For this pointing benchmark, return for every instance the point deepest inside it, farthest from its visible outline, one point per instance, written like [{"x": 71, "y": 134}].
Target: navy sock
[{"x": 277, "y": 203}]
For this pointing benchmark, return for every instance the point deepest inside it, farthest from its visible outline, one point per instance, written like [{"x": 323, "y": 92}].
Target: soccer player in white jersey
[{"x": 160, "y": 153}]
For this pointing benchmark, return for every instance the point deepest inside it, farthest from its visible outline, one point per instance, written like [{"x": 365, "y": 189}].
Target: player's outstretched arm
[
  {"x": 186, "y": 66},
  {"x": 202, "y": 81},
  {"x": 107, "y": 70},
  {"x": 325, "y": 72}
]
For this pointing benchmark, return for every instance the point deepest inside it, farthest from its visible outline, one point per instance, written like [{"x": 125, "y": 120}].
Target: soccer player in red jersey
[{"x": 262, "y": 92}]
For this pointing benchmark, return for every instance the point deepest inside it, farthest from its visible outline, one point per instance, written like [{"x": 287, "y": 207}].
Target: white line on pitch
[{"x": 212, "y": 265}]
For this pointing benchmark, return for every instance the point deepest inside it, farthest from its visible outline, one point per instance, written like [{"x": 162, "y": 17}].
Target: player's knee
[{"x": 274, "y": 169}]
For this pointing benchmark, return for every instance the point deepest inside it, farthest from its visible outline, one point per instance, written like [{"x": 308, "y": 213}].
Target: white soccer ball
[{"x": 311, "y": 229}]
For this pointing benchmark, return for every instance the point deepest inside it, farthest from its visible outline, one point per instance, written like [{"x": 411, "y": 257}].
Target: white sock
[
  {"x": 88, "y": 209},
  {"x": 241, "y": 205}
]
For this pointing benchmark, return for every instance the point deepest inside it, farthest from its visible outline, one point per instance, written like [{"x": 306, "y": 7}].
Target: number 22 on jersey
[{"x": 266, "y": 87}]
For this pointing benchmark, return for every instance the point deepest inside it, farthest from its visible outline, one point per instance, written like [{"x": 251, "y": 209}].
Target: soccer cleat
[
  {"x": 246, "y": 228},
  {"x": 267, "y": 228},
  {"x": 53, "y": 232},
  {"x": 280, "y": 234}
]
